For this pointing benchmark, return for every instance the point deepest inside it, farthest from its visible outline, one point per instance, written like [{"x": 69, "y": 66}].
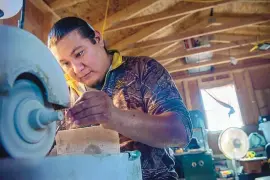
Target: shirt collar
[{"x": 117, "y": 60}]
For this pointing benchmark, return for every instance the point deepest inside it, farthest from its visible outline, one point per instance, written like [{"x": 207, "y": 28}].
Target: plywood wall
[
  {"x": 33, "y": 21},
  {"x": 252, "y": 88},
  {"x": 253, "y": 93},
  {"x": 261, "y": 84}
]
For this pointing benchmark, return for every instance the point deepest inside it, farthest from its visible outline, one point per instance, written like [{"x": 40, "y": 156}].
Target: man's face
[{"x": 82, "y": 60}]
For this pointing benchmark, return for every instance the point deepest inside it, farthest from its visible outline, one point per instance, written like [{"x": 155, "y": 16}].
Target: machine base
[{"x": 123, "y": 166}]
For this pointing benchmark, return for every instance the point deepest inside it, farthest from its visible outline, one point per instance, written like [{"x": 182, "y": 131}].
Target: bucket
[{"x": 265, "y": 128}]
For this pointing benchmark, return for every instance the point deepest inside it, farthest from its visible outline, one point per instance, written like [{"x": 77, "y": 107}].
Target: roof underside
[{"x": 158, "y": 28}]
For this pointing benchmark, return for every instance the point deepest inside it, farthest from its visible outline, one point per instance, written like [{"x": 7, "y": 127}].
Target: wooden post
[
  {"x": 187, "y": 95},
  {"x": 47, "y": 25},
  {"x": 252, "y": 98}
]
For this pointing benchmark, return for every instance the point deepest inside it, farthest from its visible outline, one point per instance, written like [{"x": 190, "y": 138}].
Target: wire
[
  {"x": 21, "y": 21},
  {"x": 203, "y": 1},
  {"x": 105, "y": 19}
]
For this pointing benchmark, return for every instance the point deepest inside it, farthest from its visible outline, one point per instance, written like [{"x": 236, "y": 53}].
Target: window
[{"x": 216, "y": 114}]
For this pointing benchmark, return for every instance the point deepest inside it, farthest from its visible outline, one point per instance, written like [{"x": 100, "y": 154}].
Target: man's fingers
[
  {"x": 91, "y": 102},
  {"x": 87, "y": 95},
  {"x": 88, "y": 112},
  {"x": 91, "y": 120}
]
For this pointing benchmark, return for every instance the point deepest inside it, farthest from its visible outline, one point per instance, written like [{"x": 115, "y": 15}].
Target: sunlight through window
[{"x": 216, "y": 114}]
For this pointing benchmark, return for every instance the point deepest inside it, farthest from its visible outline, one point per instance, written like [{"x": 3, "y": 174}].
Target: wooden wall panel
[
  {"x": 195, "y": 95},
  {"x": 253, "y": 92},
  {"x": 33, "y": 21},
  {"x": 260, "y": 78},
  {"x": 181, "y": 89},
  {"x": 244, "y": 100},
  {"x": 263, "y": 100},
  {"x": 187, "y": 95},
  {"x": 251, "y": 95}
]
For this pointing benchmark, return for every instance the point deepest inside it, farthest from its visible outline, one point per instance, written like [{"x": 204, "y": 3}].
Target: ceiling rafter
[
  {"x": 60, "y": 4},
  {"x": 45, "y": 8},
  {"x": 226, "y": 24},
  {"x": 176, "y": 12},
  {"x": 217, "y": 61},
  {"x": 227, "y": 38},
  {"x": 192, "y": 18},
  {"x": 168, "y": 59},
  {"x": 128, "y": 12},
  {"x": 146, "y": 32},
  {"x": 238, "y": 68}
]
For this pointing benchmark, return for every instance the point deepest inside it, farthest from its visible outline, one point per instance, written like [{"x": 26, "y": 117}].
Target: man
[{"x": 134, "y": 96}]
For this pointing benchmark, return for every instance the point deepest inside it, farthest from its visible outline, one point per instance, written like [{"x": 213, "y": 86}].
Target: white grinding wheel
[{"x": 23, "y": 133}]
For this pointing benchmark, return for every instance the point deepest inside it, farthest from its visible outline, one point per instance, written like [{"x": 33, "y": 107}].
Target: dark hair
[{"x": 66, "y": 25}]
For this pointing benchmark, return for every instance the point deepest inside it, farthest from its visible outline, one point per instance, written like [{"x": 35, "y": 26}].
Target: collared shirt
[{"x": 141, "y": 83}]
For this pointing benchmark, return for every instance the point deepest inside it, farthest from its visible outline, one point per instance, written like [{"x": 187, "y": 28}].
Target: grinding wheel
[
  {"x": 32, "y": 86},
  {"x": 27, "y": 122}
]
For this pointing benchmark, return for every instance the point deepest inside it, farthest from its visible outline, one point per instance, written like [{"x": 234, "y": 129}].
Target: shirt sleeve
[{"x": 160, "y": 94}]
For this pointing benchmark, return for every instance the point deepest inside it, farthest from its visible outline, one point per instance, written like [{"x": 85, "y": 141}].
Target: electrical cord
[{"x": 21, "y": 21}]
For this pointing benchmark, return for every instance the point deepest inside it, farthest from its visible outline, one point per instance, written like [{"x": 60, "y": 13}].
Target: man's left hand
[{"x": 93, "y": 107}]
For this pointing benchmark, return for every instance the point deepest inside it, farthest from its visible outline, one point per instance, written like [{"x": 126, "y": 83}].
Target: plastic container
[{"x": 265, "y": 128}]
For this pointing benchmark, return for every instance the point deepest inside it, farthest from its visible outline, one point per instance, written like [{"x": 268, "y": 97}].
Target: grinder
[{"x": 32, "y": 90}]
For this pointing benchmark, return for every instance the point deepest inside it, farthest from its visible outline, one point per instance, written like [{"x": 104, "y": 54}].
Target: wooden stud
[
  {"x": 227, "y": 38},
  {"x": 267, "y": 92},
  {"x": 47, "y": 25},
  {"x": 45, "y": 8},
  {"x": 255, "y": 1},
  {"x": 146, "y": 32},
  {"x": 128, "y": 12},
  {"x": 244, "y": 99},
  {"x": 252, "y": 98},
  {"x": 217, "y": 61},
  {"x": 157, "y": 50},
  {"x": 183, "y": 10},
  {"x": 60, "y": 4},
  {"x": 215, "y": 83},
  {"x": 222, "y": 72},
  {"x": 227, "y": 24},
  {"x": 150, "y": 52},
  {"x": 213, "y": 48},
  {"x": 187, "y": 95}
]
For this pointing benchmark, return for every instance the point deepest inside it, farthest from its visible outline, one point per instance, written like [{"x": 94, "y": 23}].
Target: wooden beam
[
  {"x": 167, "y": 48},
  {"x": 256, "y": 1},
  {"x": 146, "y": 32},
  {"x": 45, "y": 8},
  {"x": 254, "y": 106},
  {"x": 60, "y": 4},
  {"x": 191, "y": 19},
  {"x": 237, "y": 68},
  {"x": 46, "y": 27},
  {"x": 187, "y": 95},
  {"x": 227, "y": 38},
  {"x": 217, "y": 61},
  {"x": 156, "y": 50},
  {"x": 151, "y": 51},
  {"x": 227, "y": 24},
  {"x": 183, "y": 9},
  {"x": 250, "y": 31},
  {"x": 214, "y": 48},
  {"x": 129, "y": 12}
]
